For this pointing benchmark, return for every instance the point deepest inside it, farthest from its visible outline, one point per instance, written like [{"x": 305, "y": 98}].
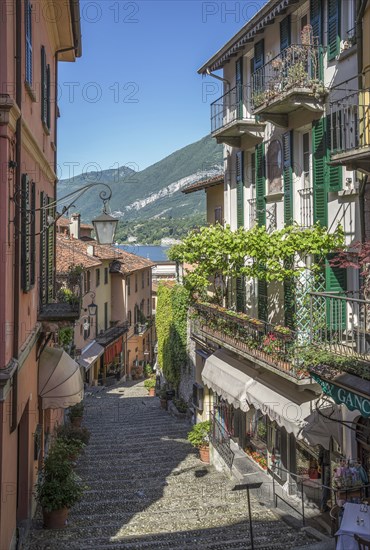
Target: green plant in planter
[
  {"x": 65, "y": 336},
  {"x": 180, "y": 405},
  {"x": 73, "y": 433},
  {"x": 199, "y": 434},
  {"x": 148, "y": 370},
  {"x": 66, "y": 295},
  {"x": 149, "y": 383},
  {"x": 58, "y": 486},
  {"x": 76, "y": 411}
]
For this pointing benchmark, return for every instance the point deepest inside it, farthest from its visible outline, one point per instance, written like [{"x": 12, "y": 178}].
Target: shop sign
[{"x": 352, "y": 401}]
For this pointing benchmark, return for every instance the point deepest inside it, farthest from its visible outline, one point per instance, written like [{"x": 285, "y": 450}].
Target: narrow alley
[{"x": 146, "y": 488}]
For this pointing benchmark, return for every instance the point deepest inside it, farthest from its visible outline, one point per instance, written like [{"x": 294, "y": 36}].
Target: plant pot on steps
[
  {"x": 151, "y": 392},
  {"x": 56, "y": 519},
  {"x": 204, "y": 453}
]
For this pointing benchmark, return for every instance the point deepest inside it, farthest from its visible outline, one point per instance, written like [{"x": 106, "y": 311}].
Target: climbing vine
[{"x": 171, "y": 326}]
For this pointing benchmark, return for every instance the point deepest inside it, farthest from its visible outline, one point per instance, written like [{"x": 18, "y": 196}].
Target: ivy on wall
[{"x": 171, "y": 327}]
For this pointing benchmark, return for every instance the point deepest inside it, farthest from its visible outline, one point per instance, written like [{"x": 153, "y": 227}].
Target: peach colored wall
[{"x": 215, "y": 198}]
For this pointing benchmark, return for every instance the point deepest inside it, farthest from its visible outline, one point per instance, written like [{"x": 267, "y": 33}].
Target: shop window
[{"x": 307, "y": 461}]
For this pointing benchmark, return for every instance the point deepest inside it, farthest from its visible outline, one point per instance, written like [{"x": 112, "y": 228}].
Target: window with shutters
[
  {"x": 106, "y": 272},
  {"x": 240, "y": 188},
  {"x": 306, "y": 191},
  {"x": 28, "y": 40},
  {"x": 258, "y": 69},
  {"x": 135, "y": 282},
  {"x": 105, "y": 315},
  {"x": 97, "y": 277},
  {"x": 320, "y": 195},
  {"x": 33, "y": 234},
  {"x": 240, "y": 294},
  {"x": 285, "y": 39},
  {"x": 288, "y": 177},
  {"x": 43, "y": 248},
  {"x": 316, "y": 20},
  {"x": 142, "y": 279},
  {"x": 148, "y": 277},
  {"x": 333, "y": 30},
  {"x": 262, "y": 300},
  {"x": 51, "y": 250},
  {"x": 45, "y": 90},
  {"x": 88, "y": 281},
  {"x": 218, "y": 215},
  {"x": 239, "y": 87},
  {"x": 334, "y": 143},
  {"x": 128, "y": 285},
  {"x": 260, "y": 184},
  {"x": 274, "y": 166},
  {"x": 336, "y": 282},
  {"x": 27, "y": 233}
]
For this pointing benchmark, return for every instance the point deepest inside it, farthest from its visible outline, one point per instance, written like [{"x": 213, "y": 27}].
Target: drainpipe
[{"x": 209, "y": 73}]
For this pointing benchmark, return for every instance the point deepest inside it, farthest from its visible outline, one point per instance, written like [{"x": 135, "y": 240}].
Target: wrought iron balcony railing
[
  {"x": 63, "y": 302},
  {"x": 296, "y": 69},
  {"x": 306, "y": 206},
  {"x": 232, "y": 106}
]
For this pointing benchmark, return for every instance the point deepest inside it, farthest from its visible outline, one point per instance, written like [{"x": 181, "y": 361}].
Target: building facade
[
  {"x": 293, "y": 116},
  {"x": 31, "y": 47}
]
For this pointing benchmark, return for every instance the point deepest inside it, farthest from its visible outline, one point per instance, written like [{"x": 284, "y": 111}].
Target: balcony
[
  {"x": 341, "y": 325},
  {"x": 268, "y": 346},
  {"x": 289, "y": 83},
  {"x": 66, "y": 306},
  {"x": 350, "y": 131},
  {"x": 141, "y": 328},
  {"x": 232, "y": 121}
]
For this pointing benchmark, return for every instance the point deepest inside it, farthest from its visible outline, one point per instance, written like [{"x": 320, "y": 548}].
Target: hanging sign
[{"x": 353, "y": 401}]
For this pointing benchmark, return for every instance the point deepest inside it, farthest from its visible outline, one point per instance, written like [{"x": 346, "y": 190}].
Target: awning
[
  {"x": 322, "y": 425},
  {"x": 352, "y": 391},
  {"x": 60, "y": 381},
  {"x": 242, "y": 386},
  {"x": 90, "y": 355},
  {"x": 112, "y": 351}
]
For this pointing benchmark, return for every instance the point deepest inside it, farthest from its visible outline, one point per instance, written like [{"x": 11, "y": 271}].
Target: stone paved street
[{"x": 148, "y": 490}]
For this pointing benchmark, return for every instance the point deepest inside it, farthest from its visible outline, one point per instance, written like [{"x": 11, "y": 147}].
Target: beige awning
[
  {"x": 242, "y": 386},
  {"x": 322, "y": 425},
  {"x": 90, "y": 355},
  {"x": 60, "y": 381}
]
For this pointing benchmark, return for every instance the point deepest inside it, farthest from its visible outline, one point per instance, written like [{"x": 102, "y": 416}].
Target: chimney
[{"x": 74, "y": 226}]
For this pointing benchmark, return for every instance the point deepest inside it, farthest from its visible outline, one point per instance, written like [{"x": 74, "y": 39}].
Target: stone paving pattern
[{"x": 147, "y": 489}]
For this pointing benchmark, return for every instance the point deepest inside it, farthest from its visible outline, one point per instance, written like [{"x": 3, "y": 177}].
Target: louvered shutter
[
  {"x": 334, "y": 174},
  {"x": 333, "y": 28},
  {"x": 320, "y": 195},
  {"x": 240, "y": 294},
  {"x": 288, "y": 176},
  {"x": 43, "y": 247},
  {"x": 28, "y": 40},
  {"x": 240, "y": 188},
  {"x": 336, "y": 281},
  {"x": 262, "y": 300},
  {"x": 259, "y": 54},
  {"x": 285, "y": 33},
  {"x": 25, "y": 234},
  {"x": 33, "y": 234},
  {"x": 260, "y": 184},
  {"x": 239, "y": 87},
  {"x": 289, "y": 298},
  {"x": 316, "y": 20},
  {"x": 48, "y": 91},
  {"x": 44, "y": 86},
  {"x": 50, "y": 251}
]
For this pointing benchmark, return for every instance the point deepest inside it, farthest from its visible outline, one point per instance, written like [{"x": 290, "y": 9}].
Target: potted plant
[
  {"x": 57, "y": 489},
  {"x": 76, "y": 413},
  {"x": 69, "y": 432},
  {"x": 150, "y": 384},
  {"x": 283, "y": 332},
  {"x": 199, "y": 438},
  {"x": 163, "y": 398}
]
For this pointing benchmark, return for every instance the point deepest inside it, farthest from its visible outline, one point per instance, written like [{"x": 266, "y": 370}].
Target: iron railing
[
  {"x": 306, "y": 207},
  {"x": 297, "y": 67},
  {"x": 350, "y": 122},
  {"x": 233, "y": 105},
  {"x": 60, "y": 299},
  {"x": 341, "y": 323},
  {"x": 220, "y": 439}
]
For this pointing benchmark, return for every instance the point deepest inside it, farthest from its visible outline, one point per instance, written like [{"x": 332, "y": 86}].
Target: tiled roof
[
  {"x": 128, "y": 263},
  {"x": 204, "y": 184},
  {"x": 64, "y": 222},
  {"x": 67, "y": 254}
]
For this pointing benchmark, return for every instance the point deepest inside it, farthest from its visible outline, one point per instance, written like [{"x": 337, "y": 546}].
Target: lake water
[{"x": 153, "y": 253}]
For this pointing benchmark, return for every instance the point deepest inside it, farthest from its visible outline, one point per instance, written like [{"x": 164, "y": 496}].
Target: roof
[
  {"x": 68, "y": 254},
  {"x": 204, "y": 184},
  {"x": 108, "y": 336},
  {"x": 64, "y": 222},
  {"x": 128, "y": 263},
  {"x": 251, "y": 30}
]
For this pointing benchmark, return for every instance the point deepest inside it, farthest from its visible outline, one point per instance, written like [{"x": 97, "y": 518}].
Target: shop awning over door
[
  {"x": 60, "y": 381},
  {"x": 322, "y": 425},
  {"x": 242, "y": 386},
  {"x": 90, "y": 355}
]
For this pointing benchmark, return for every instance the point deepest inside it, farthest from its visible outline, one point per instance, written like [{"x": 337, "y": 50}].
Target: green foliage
[
  {"x": 180, "y": 405},
  {"x": 76, "y": 411},
  {"x": 58, "y": 486},
  {"x": 148, "y": 370},
  {"x": 171, "y": 325},
  {"x": 199, "y": 434},
  {"x": 65, "y": 336},
  {"x": 216, "y": 254},
  {"x": 149, "y": 383},
  {"x": 67, "y": 296},
  {"x": 73, "y": 433}
]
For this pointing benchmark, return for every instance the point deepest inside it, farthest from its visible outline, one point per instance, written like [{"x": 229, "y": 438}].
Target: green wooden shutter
[
  {"x": 48, "y": 91},
  {"x": 334, "y": 8},
  {"x": 334, "y": 174},
  {"x": 44, "y": 86},
  {"x": 33, "y": 234},
  {"x": 240, "y": 294},
  {"x": 316, "y": 19},
  {"x": 240, "y": 188},
  {"x": 262, "y": 300},
  {"x": 289, "y": 298},
  {"x": 288, "y": 177},
  {"x": 260, "y": 184},
  {"x": 336, "y": 281},
  {"x": 26, "y": 234},
  {"x": 285, "y": 33},
  {"x": 259, "y": 54},
  {"x": 320, "y": 195},
  {"x": 50, "y": 252},
  {"x": 43, "y": 247},
  {"x": 239, "y": 87},
  {"x": 28, "y": 40}
]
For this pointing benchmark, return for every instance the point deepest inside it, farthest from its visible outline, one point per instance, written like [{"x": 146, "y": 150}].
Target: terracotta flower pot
[
  {"x": 204, "y": 453},
  {"x": 151, "y": 392},
  {"x": 56, "y": 519},
  {"x": 76, "y": 421}
]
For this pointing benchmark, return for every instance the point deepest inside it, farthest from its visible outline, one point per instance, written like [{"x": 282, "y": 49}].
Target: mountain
[{"x": 155, "y": 191}]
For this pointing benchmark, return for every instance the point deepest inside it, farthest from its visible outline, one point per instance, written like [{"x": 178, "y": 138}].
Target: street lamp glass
[
  {"x": 105, "y": 228},
  {"x": 92, "y": 309}
]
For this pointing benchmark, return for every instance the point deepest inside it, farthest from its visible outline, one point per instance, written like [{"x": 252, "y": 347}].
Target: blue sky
[{"x": 135, "y": 96}]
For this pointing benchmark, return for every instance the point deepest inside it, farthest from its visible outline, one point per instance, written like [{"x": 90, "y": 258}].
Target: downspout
[
  {"x": 17, "y": 187},
  {"x": 209, "y": 73}
]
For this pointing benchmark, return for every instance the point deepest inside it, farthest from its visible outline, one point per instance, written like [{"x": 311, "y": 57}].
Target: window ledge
[
  {"x": 274, "y": 197},
  {"x": 348, "y": 193},
  {"x": 347, "y": 52},
  {"x": 31, "y": 92}
]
